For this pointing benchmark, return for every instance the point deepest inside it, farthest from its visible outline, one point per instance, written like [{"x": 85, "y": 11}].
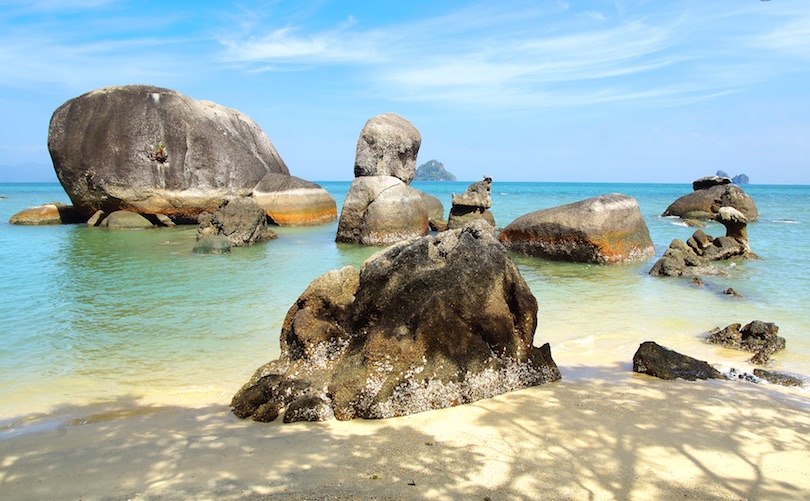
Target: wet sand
[{"x": 635, "y": 437}]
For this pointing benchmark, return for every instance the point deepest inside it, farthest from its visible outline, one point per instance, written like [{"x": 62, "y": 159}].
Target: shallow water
[{"x": 91, "y": 314}]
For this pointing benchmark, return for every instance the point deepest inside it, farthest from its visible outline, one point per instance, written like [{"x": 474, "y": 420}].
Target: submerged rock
[
  {"x": 239, "y": 219},
  {"x": 428, "y": 323},
  {"x": 608, "y": 229},
  {"x": 655, "y": 360},
  {"x": 212, "y": 244},
  {"x": 780, "y": 378},
  {"x": 709, "y": 195}
]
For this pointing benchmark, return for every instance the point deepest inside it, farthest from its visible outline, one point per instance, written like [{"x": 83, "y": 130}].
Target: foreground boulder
[
  {"x": 388, "y": 146},
  {"x": 655, "y": 360},
  {"x": 155, "y": 151},
  {"x": 471, "y": 205},
  {"x": 756, "y": 337},
  {"x": 428, "y": 323},
  {"x": 54, "y": 213},
  {"x": 292, "y": 201},
  {"x": 608, "y": 229},
  {"x": 709, "y": 195},
  {"x": 239, "y": 219},
  {"x": 694, "y": 257}
]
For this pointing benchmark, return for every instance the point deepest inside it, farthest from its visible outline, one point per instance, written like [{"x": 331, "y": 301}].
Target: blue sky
[{"x": 590, "y": 90}]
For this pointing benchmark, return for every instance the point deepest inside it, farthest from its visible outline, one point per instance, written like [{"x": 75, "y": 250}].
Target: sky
[{"x": 548, "y": 90}]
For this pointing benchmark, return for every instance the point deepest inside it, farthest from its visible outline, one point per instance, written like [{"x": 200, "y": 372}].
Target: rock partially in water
[
  {"x": 709, "y": 195},
  {"x": 46, "y": 214},
  {"x": 428, "y": 323},
  {"x": 655, "y": 360},
  {"x": 608, "y": 229},
  {"x": 292, "y": 201},
  {"x": 756, "y": 337},
  {"x": 780, "y": 378},
  {"x": 126, "y": 220},
  {"x": 212, "y": 244},
  {"x": 239, "y": 219}
]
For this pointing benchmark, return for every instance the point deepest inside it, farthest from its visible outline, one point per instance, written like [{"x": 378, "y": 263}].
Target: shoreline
[{"x": 582, "y": 437}]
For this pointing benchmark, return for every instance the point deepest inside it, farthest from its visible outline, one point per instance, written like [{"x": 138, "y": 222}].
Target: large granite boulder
[
  {"x": 709, "y": 195},
  {"x": 472, "y": 205},
  {"x": 55, "y": 213},
  {"x": 428, "y": 323},
  {"x": 655, "y": 360},
  {"x": 694, "y": 258},
  {"x": 155, "y": 151},
  {"x": 292, "y": 201},
  {"x": 608, "y": 229},
  {"x": 388, "y": 146},
  {"x": 239, "y": 219},
  {"x": 381, "y": 210}
]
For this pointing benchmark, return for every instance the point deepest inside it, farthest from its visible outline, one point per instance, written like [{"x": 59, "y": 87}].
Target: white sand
[{"x": 638, "y": 438}]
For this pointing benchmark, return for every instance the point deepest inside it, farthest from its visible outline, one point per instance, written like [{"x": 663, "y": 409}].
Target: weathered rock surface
[
  {"x": 239, "y": 219},
  {"x": 388, "y": 146},
  {"x": 757, "y": 337},
  {"x": 694, "y": 258},
  {"x": 710, "y": 193},
  {"x": 126, "y": 220},
  {"x": 428, "y": 323},
  {"x": 292, "y": 201},
  {"x": 54, "y": 213},
  {"x": 435, "y": 210},
  {"x": 472, "y": 205},
  {"x": 155, "y": 151},
  {"x": 381, "y": 210},
  {"x": 608, "y": 229},
  {"x": 655, "y": 360},
  {"x": 780, "y": 378}
]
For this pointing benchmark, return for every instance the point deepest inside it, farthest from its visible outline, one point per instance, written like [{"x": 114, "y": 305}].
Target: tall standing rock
[
  {"x": 608, "y": 229},
  {"x": 380, "y": 208},
  {"x": 155, "y": 151},
  {"x": 473, "y": 204}
]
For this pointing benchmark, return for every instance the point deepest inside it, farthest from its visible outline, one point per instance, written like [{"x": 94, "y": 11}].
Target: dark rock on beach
[
  {"x": 472, "y": 205},
  {"x": 655, "y": 360},
  {"x": 239, "y": 219},
  {"x": 757, "y": 337},
  {"x": 155, "y": 151},
  {"x": 428, "y": 323},
  {"x": 780, "y": 378},
  {"x": 709, "y": 195},
  {"x": 608, "y": 229}
]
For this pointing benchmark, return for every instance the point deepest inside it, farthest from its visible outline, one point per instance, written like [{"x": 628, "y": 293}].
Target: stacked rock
[
  {"x": 380, "y": 208},
  {"x": 472, "y": 204}
]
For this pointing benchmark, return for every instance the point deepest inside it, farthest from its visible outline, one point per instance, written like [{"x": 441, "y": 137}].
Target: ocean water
[{"x": 135, "y": 318}]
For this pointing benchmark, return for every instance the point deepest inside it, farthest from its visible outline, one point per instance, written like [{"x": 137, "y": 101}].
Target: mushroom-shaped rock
[
  {"x": 292, "y": 201},
  {"x": 736, "y": 224},
  {"x": 381, "y": 210},
  {"x": 388, "y": 146},
  {"x": 428, "y": 323},
  {"x": 608, "y": 229},
  {"x": 472, "y": 205},
  {"x": 239, "y": 219},
  {"x": 709, "y": 195},
  {"x": 655, "y": 360},
  {"x": 155, "y": 151}
]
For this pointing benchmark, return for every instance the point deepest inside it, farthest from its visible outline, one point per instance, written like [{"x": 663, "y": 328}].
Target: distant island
[
  {"x": 738, "y": 179},
  {"x": 433, "y": 171}
]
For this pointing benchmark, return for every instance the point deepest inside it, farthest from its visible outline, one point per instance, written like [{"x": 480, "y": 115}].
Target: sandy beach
[{"x": 635, "y": 438}]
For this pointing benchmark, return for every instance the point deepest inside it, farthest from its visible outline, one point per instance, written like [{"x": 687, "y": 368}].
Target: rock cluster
[
  {"x": 428, "y": 323},
  {"x": 694, "y": 258},
  {"x": 380, "y": 208},
  {"x": 239, "y": 220},
  {"x": 608, "y": 229},
  {"x": 757, "y": 337},
  {"x": 155, "y": 151},
  {"x": 655, "y": 360},
  {"x": 709, "y": 195},
  {"x": 471, "y": 205}
]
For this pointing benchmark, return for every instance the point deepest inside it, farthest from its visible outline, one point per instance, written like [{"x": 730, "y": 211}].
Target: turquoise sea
[{"x": 133, "y": 318}]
